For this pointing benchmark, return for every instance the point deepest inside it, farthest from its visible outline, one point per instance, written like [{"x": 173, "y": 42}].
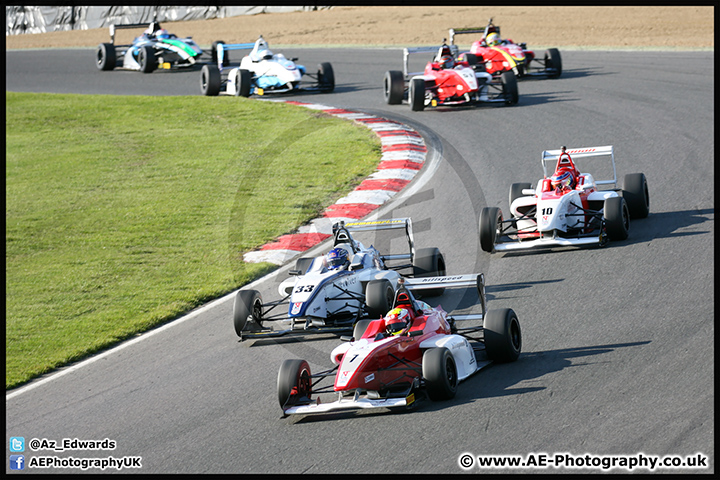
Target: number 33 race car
[
  {"x": 414, "y": 350},
  {"x": 567, "y": 208}
]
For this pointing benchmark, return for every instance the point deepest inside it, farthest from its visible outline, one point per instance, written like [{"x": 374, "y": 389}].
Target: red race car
[
  {"x": 499, "y": 55},
  {"x": 447, "y": 81},
  {"x": 415, "y": 349}
]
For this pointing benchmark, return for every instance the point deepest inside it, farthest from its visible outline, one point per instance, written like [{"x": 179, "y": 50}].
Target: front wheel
[
  {"x": 636, "y": 194},
  {"x": 247, "y": 309},
  {"x": 429, "y": 262},
  {"x": 553, "y": 63},
  {"x": 293, "y": 382},
  {"x": 617, "y": 218},
  {"x": 489, "y": 226},
  {"x": 510, "y": 87},
  {"x": 502, "y": 336},
  {"x": 326, "y": 78},
  {"x": 440, "y": 374},
  {"x": 393, "y": 87},
  {"x": 146, "y": 59},
  {"x": 243, "y": 83},
  {"x": 417, "y": 94}
]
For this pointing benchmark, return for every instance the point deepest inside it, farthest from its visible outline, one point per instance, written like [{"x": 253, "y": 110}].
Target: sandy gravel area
[{"x": 564, "y": 27}]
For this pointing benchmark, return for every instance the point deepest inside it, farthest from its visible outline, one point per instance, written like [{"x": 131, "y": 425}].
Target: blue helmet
[{"x": 336, "y": 258}]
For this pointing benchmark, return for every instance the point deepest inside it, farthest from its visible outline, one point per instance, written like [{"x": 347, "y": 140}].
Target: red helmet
[
  {"x": 396, "y": 320},
  {"x": 563, "y": 178}
]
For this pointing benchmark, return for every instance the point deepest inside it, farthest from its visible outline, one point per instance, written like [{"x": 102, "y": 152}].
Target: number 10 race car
[
  {"x": 414, "y": 350},
  {"x": 330, "y": 293},
  {"x": 567, "y": 208}
]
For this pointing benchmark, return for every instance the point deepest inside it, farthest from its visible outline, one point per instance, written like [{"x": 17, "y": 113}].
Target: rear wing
[
  {"x": 413, "y": 50},
  {"x": 464, "y": 31},
  {"x": 114, "y": 27},
  {"x": 550, "y": 158},
  {"x": 476, "y": 280},
  {"x": 226, "y": 47},
  {"x": 392, "y": 224}
]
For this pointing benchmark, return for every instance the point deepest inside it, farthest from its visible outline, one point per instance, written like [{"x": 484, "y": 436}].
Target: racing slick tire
[
  {"x": 326, "y": 78},
  {"x": 210, "y": 80},
  {"x": 516, "y": 191},
  {"x": 243, "y": 83},
  {"x": 440, "y": 373},
  {"x": 214, "y": 55},
  {"x": 379, "y": 297},
  {"x": 635, "y": 192},
  {"x": 106, "y": 59},
  {"x": 429, "y": 262},
  {"x": 359, "y": 329},
  {"x": 417, "y": 94},
  {"x": 247, "y": 308},
  {"x": 146, "y": 59},
  {"x": 553, "y": 63},
  {"x": 502, "y": 335},
  {"x": 393, "y": 87},
  {"x": 293, "y": 382},
  {"x": 617, "y": 218},
  {"x": 489, "y": 225},
  {"x": 510, "y": 87}
]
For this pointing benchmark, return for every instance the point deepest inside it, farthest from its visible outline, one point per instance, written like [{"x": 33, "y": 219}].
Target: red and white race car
[
  {"x": 567, "y": 208},
  {"x": 447, "y": 81},
  {"x": 496, "y": 55},
  {"x": 415, "y": 349}
]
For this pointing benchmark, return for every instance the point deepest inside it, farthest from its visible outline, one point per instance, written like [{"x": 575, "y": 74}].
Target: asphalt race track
[{"x": 618, "y": 342}]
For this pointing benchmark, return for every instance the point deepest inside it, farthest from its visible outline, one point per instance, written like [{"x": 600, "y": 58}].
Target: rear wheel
[
  {"x": 636, "y": 194},
  {"x": 326, "y": 78},
  {"x": 210, "y": 80},
  {"x": 106, "y": 58},
  {"x": 553, "y": 63},
  {"x": 359, "y": 329},
  {"x": 440, "y": 373},
  {"x": 617, "y": 218},
  {"x": 516, "y": 191},
  {"x": 393, "y": 87},
  {"x": 243, "y": 83},
  {"x": 510, "y": 87},
  {"x": 502, "y": 335},
  {"x": 379, "y": 297},
  {"x": 429, "y": 262},
  {"x": 489, "y": 226},
  {"x": 247, "y": 309},
  {"x": 417, "y": 94},
  {"x": 214, "y": 54},
  {"x": 146, "y": 59},
  {"x": 293, "y": 382}
]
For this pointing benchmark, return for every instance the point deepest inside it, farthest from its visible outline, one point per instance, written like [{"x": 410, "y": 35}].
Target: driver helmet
[
  {"x": 447, "y": 61},
  {"x": 493, "y": 39},
  {"x": 162, "y": 34},
  {"x": 562, "y": 179},
  {"x": 265, "y": 54},
  {"x": 396, "y": 320},
  {"x": 336, "y": 258}
]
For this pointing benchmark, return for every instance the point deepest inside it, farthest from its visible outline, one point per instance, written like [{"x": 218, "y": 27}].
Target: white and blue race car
[
  {"x": 154, "y": 48},
  {"x": 260, "y": 72},
  {"x": 331, "y": 293}
]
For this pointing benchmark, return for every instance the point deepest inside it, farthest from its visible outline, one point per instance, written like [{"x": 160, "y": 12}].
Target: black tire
[
  {"x": 502, "y": 335},
  {"x": 617, "y": 218},
  {"x": 210, "y": 80},
  {"x": 516, "y": 191},
  {"x": 326, "y": 78},
  {"x": 471, "y": 59},
  {"x": 359, "y": 329},
  {"x": 302, "y": 264},
  {"x": 429, "y": 262},
  {"x": 294, "y": 382},
  {"x": 489, "y": 225},
  {"x": 393, "y": 87},
  {"x": 243, "y": 83},
  {"x": 247, "y": 307},
  {"x": 636, "y": 194},
  {"x": 379, "y": 297},
  {"x": 146, "y": 59},
  {"x": 553, "y": 62},
  {"x": 510, "y": 87},
  {"x": 214, "y": 55},
  {"x": 440, "y": 374},
  {"x": 417, "y": 94},
  {"x": 106, "y": 59}
]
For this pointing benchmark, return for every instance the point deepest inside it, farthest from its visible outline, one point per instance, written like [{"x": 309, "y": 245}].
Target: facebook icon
[{"x": 17, "y": 462}]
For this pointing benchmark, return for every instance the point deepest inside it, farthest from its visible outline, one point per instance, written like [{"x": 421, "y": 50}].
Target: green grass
[{"x": 122, "y": 213}]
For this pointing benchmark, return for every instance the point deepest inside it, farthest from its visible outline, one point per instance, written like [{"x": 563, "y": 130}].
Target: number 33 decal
[{"x": 304, "y": 288}]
